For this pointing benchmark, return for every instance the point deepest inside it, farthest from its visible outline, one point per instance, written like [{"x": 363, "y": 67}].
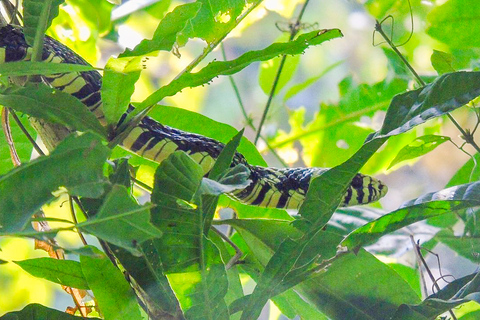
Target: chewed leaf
[
  {"x": 418, "y": 147},
  {"x": 430, "y": 205},
  {"x": 217, "y": 68}
]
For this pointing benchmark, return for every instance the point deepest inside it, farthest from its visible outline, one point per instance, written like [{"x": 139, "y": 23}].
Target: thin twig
[
  {"x": 26, "y": 133},
  {"x": 74, "y": 218},
  {"x": 293, "y": 32},
  {"x": 238, "y": 253},
  {"x": 429, "y": 272},
  {"x": 8, "y": 135},
  {"x": 248, "y": 120}
]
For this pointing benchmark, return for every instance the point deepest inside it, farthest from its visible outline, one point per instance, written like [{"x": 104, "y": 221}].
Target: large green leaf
[
  {"x": 36, "y": 311},
  {"x": 447, "y": 93},
  {"x": 52, "y": 105},
  {"x": 26, "y": 188},
  {"x": 429, "y": 205},
  {"x": 64, "y": 272},
  {"x": 331, "y": 292},
  {"x": 165, "y": 35},
  {"x": 456, "y": 23},
  {"x": 121, "y": 221},
  {"x": 466, "y": 246},
  {"x": 217, "y": 68},
  {"x": 113, "y": 294}
]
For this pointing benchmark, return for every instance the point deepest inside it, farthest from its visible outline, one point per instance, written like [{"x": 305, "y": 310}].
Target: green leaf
[
  {"x": 36, "y": 311},
  {"x": 442, "y": 62},
  {"x": 225, "y": 157},
  {"x": 447, "y": 93},
  {"x": 113, "y": 294},
  {"x": 165, "y": 35},
  {"x": 121, "y": 221},
  {"x": 456, "y": 23},
  {"x": 217, "y": 68},
  {"x": 269, "y": 69},
  {"x": 28, "y": 68},
  {"x": 466, "y": 246},
  {"x": 452, "y": 295},
  {"x": 37, "y": 17},
  {"x": 469, "y": 172},
  {"x": 52, "y": 105},
  {"x": 331, "y": 291},
  {"x": 26, "y": 188},
  {"x": 118, "y": 85},
  {"x": 64, "y": 272},
  {"x": 418, "y": 147},
  {"x": 215, "y": 20},
  {"x": 429, "y": 205}
]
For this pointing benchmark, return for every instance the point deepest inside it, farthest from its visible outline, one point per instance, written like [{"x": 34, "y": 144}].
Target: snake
[{"x": 270, "y": 187}]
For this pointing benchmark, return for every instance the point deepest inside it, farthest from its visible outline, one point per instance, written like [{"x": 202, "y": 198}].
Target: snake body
[{"x": 270, "y": 187}]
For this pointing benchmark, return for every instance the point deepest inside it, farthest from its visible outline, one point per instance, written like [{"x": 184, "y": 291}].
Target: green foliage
[{"x": 165, "y": 243}]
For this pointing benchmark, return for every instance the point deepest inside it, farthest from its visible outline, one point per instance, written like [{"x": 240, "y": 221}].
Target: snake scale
[{"x": 270, "y": 187}]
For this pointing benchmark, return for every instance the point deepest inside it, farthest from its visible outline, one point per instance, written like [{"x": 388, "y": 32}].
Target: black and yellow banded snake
[{"x": 270, "y": 187}]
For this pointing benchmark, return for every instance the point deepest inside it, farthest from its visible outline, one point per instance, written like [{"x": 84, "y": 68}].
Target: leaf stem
[
  {"x": 26, "y": 133},
  {"x": 293, "y": 32},
  {"x": 465, "y": 135}
]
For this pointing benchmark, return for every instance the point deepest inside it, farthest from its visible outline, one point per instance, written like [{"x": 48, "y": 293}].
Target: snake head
[{"x": 364, "y": 189}]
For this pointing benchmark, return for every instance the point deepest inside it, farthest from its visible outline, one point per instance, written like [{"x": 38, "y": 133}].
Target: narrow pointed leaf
[
  {"x": 28, "y": 68},
  {"x": 218, "y": 68},
  {"x": 64, "y": 272}
]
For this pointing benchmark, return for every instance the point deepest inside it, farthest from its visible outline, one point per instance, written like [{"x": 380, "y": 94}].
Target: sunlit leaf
[
  {"x": 269, "y": 69},
  {"x": 217, "y": 68},
  {"x": 465, "y": 246},
  {"x": 418, "y": 147},
  {"x": 64, "y": 272}
]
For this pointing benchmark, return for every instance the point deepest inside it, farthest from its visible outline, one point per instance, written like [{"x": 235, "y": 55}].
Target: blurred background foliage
[{"x": 328, "y": 100}]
